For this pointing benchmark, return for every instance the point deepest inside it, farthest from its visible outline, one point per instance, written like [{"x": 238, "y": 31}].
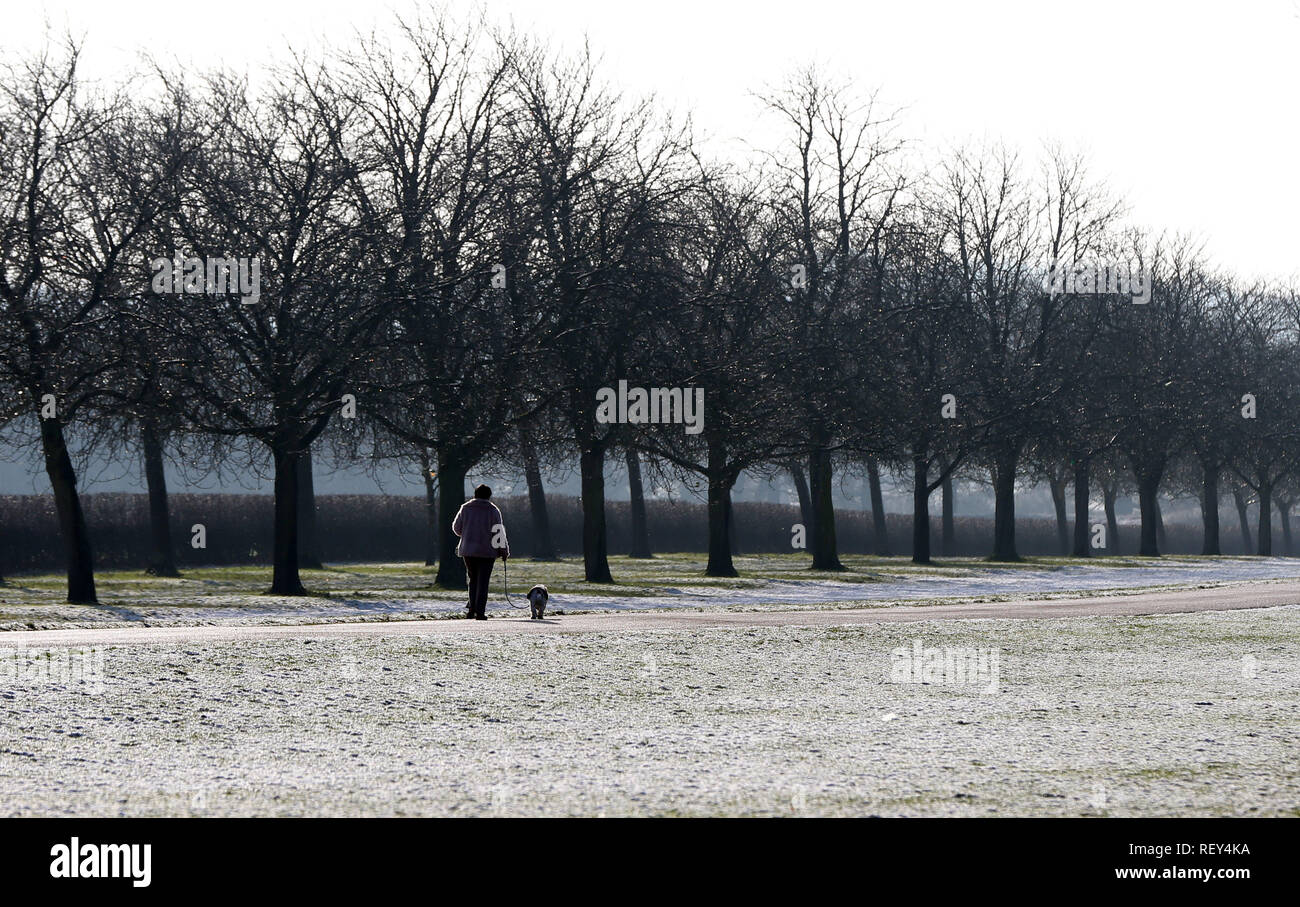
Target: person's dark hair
[{"x": 483, "y": 492}]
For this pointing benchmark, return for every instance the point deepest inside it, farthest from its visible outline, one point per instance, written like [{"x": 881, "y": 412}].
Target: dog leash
[{"x": 505, "y": 583}]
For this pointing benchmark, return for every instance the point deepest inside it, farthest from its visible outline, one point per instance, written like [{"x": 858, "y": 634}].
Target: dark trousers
[{"x": 480, "y": 573}]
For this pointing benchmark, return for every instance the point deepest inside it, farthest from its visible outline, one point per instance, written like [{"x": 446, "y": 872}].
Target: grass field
[
  {"x": 1189, "y": 714},
  {"x": 1180, "y": 714}
]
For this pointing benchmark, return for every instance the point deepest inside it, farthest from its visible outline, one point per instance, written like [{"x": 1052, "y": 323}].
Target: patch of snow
[
  {"x": 1177, "y": 715},
  {"x": 971, "y": 583}
]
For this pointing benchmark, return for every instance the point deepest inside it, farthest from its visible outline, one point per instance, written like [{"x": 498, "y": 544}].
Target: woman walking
[{"x": 482, "y": 536}]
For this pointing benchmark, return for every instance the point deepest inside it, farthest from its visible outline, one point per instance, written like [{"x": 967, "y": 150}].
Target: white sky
[{"x": 1188, "y": 109}]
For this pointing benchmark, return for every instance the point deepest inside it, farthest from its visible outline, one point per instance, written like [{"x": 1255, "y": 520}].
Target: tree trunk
[
  {"x": 1210, "y": 510},
  {"x": 720, "y": 483},
  {"x": 636, "y": 495},
  {"x": 308, "y": 541},
  {"x": 1243, "y": 518},
  {"x": 920, "y": 511},
  {"x": 1284, "y": 514},
  {"x": 825, "y": 551},
  {"x": 1057, "y": 488},
  {"x": 430, "y": 508},
  {"x": 805, "y": 499},
  {"x": 451, "y": 495},
  {"x": 163, "y": 560},
  {"x": 543, "y": 544},
  {"x": 1112, "y": 522},
  {"x": 284, "y": 563},
  {"x": 949, "y": 522},
  {"x": 1082, "y": 531},
  {"x": 879, "y": 528},
  {"x": 77, "y": 555},
  {"x": 595, "y": 550},
  {"x": 1265, "y": 519},
  {"x": 1004, "y": 506},
  {"x": 1148, "y": 488}
]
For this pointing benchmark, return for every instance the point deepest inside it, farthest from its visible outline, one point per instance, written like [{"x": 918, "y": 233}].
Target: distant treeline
[{"x": 373, "y": 528}]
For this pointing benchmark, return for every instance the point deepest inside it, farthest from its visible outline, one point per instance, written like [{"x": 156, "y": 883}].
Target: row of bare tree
[{"x": 443, "y": 247}]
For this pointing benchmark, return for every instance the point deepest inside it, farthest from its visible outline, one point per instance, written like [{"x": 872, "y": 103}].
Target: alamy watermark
[
  {"x": 1091, "y": 278},
  {"x": 75, "y": 860},
  {"x": 211, "y": 276},
  {"x": 652, "y": 406},
  {"x": 946, "y": 665},
  {"x": 66, "y": 667}
]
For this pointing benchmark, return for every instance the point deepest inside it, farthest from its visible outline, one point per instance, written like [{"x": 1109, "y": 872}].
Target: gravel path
[{"x": 1218, "y": 598}]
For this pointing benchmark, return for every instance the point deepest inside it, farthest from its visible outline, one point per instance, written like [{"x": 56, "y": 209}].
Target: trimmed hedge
[{"x": 370, "y": 528}]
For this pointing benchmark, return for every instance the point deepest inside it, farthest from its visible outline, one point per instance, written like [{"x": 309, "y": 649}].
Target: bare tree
[
  {"x": 836, "y": 195},
  {"x": 921, "y": 427},
  {"x": 1153, "y": 377},
  {"x": 271, "y": 187},
  {"x": 993, "y": 223},
  {"x": 725, "y": 342},
  {"x": 435, "y": 167},
  {"x": 80, "y": 180},
  {"x": 1267, "y": 374},
  {"x": 1027, "y": 343},
  {"x": 603, "y": 175}
]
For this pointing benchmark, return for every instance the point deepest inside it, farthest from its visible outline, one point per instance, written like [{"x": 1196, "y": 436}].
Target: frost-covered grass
[
  {"x": 406, "y": 591},
  {"x": 1190, "y": 714}
]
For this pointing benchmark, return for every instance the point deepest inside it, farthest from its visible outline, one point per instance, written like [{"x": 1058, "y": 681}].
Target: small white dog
[{"x": 537, "y": 599}]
